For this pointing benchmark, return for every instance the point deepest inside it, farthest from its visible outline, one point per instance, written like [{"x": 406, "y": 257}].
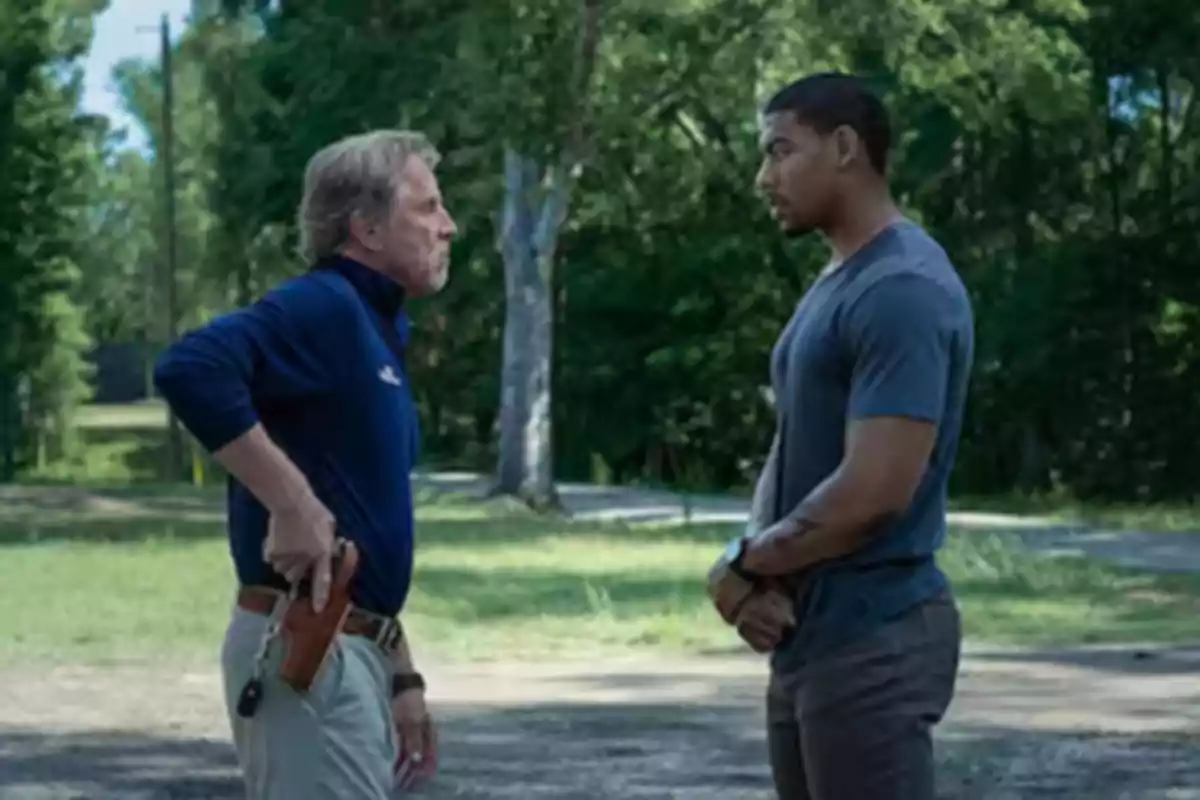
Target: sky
[{"x": 117, "y": 36}]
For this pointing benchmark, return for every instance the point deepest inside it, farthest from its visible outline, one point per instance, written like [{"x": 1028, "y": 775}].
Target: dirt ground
[
  {"x": 1066, "y": 725},
  {"x": 1070, "y": 725}
]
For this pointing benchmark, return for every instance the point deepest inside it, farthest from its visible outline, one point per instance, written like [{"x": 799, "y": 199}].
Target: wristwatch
[
  {"x": 735, "y": 556},
  {"x": 403, "y": 682}
]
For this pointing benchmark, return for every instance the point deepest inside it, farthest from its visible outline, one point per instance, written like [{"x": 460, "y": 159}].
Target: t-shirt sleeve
[
  {"x": 900, "y": 335},
  {"x": 216, "y": 376}
]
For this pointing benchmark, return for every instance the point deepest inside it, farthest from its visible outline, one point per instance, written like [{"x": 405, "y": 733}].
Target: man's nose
[
  {"x": 763, "y": 179},
  {"x": 449, "y": 227}
]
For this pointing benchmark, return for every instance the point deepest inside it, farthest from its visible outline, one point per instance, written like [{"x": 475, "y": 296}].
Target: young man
[
  {"x": 836, "y": 575},
  {"x": 303, "y": 397}
]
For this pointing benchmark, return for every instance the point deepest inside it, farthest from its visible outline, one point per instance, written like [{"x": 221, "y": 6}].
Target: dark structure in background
[{"x": 120, "y": 375}]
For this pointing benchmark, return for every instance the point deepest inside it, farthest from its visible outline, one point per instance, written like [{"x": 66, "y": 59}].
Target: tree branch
[
  {"x": 699, "y": 63},
  {"x": 1186, "y": 115},
  {"x": 560, "y": 178},
  {"x": 585, "y": 68}
]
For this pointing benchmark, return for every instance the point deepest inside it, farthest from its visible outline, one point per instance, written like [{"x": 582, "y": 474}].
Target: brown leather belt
[{"x": 383, "y": 631}]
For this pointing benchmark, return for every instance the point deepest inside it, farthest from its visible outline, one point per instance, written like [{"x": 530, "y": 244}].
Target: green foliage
[
  {"x": 118, "y": 268},
  {"x": 1050, "y": 145},
  {"x": 43, "y": 160}
]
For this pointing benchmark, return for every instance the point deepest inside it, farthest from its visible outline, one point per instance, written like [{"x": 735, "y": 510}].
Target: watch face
[{"x": 733, "y": 549}]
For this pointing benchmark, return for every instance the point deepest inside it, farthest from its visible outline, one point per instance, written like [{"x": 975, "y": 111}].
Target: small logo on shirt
[{"x": 388, "y": 375}]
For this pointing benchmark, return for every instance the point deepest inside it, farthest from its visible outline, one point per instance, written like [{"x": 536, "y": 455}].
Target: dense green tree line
[
  {"x": 1050, "y": 144},
  {"x": 46, "y": 149}
]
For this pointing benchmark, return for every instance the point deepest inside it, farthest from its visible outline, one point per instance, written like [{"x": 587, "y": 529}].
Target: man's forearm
[
  {"x": 836, "y": 519},
  {"x": 263, "y": 468},
  {"x": 402, "y": 660}
]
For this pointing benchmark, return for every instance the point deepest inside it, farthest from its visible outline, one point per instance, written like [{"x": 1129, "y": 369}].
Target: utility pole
[{"x": 174, "y": 454}]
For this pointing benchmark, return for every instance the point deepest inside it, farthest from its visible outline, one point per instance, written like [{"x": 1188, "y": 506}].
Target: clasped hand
[
  {"x": 760, "y": 612},
  {"x": 764, "y": 618}
]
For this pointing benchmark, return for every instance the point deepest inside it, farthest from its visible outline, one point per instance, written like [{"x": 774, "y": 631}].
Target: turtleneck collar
[{"x": 380, "y": 292}]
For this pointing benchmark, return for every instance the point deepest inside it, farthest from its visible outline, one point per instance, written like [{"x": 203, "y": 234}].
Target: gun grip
[{"x": 340, "y": 553}]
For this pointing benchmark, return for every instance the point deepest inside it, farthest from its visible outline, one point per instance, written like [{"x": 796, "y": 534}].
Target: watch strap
[
  {"x": 406, "y": 681},
  {"x": 737, "y": 565}
]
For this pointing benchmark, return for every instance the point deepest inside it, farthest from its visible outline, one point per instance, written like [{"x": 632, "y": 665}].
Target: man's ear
[
  {"x": 365, "y": 232},
  {"x": 847, "y": 145}
]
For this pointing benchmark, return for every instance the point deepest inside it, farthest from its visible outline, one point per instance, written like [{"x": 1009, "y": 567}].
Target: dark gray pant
[{"x": 858, "y": 724}]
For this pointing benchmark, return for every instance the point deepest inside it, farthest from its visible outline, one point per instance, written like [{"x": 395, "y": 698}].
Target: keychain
[{"x": 251, "y": 697}]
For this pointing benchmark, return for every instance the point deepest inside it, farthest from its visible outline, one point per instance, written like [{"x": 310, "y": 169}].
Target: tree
[
  {"x": 537, "y": 194},
  {"x": 630, "y": 306},
  {"x": 43, "y": 161}
]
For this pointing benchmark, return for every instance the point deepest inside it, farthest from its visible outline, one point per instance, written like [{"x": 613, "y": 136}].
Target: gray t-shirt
[{"x": 888, "y": 332}]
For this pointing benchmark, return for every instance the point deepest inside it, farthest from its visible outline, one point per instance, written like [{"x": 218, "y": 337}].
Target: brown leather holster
[{"x": 307, "y": 636}]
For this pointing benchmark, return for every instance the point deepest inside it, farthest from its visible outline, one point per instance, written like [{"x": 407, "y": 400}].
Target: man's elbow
[
  {"x": 179, "y": 374},
  {"x": 882, "y": 497},
  {"x": 192, "y": 364},
  {"x": 172, "y": 376},
  {"x": 894, "y": 499},
  {"x": 207, "y": 394}
]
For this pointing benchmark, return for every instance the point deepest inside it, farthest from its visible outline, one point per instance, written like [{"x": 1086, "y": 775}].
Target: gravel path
[{"x": 1067, "y": 725}]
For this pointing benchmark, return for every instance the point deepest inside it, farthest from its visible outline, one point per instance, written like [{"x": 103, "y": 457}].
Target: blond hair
[{"x": 358, "y": 174}]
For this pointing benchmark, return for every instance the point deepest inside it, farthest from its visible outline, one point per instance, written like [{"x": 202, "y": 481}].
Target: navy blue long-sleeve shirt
[{"x": 312, "y": 361}]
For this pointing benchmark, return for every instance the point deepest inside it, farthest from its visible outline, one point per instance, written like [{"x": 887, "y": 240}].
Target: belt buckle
[{"x": 389, "y": 634}]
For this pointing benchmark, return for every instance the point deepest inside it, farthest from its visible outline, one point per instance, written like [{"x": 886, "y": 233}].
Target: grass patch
[
  {"x": 127, "y": 443},
  {"x": 148, "y": 415},
  {"x": 136, "y": 573},
  {"x": 1011, "y": 595},
  {"x": 1154, "y": 517}
]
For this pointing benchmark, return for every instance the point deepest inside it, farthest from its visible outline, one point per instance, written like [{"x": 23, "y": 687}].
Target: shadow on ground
[
  {"x": 600, "y": 751},
  {"x": 112, "y": 765},
  {"x": 1168, "y": 660}
]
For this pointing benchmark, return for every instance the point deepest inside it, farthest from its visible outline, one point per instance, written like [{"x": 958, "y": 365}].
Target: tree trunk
[
  {"x": 519, "y": 369},
  {"x": 536, "y": 201}
]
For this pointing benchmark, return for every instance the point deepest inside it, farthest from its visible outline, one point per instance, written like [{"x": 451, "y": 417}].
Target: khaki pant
[{"x": 335, "y": 742}]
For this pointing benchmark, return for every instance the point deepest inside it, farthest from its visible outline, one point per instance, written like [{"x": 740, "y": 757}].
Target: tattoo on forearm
[
  {"x": 785, "y": 542},
  {"x": 783, "y": 536}
]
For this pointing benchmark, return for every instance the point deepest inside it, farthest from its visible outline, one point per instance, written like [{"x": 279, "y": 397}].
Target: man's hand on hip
[
  {"x": 416, "y": 759},
  {"x": 300, "y": 540}
]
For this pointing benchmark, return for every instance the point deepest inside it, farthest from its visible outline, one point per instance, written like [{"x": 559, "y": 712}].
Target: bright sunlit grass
[{"x": 145, "y": 573}]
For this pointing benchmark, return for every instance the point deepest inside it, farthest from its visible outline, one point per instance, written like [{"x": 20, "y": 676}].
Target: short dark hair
[{"x": 827, "y": 100}]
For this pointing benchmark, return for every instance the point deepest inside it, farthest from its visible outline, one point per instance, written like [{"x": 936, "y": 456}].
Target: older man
[{"x": 304, "y": 398}]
